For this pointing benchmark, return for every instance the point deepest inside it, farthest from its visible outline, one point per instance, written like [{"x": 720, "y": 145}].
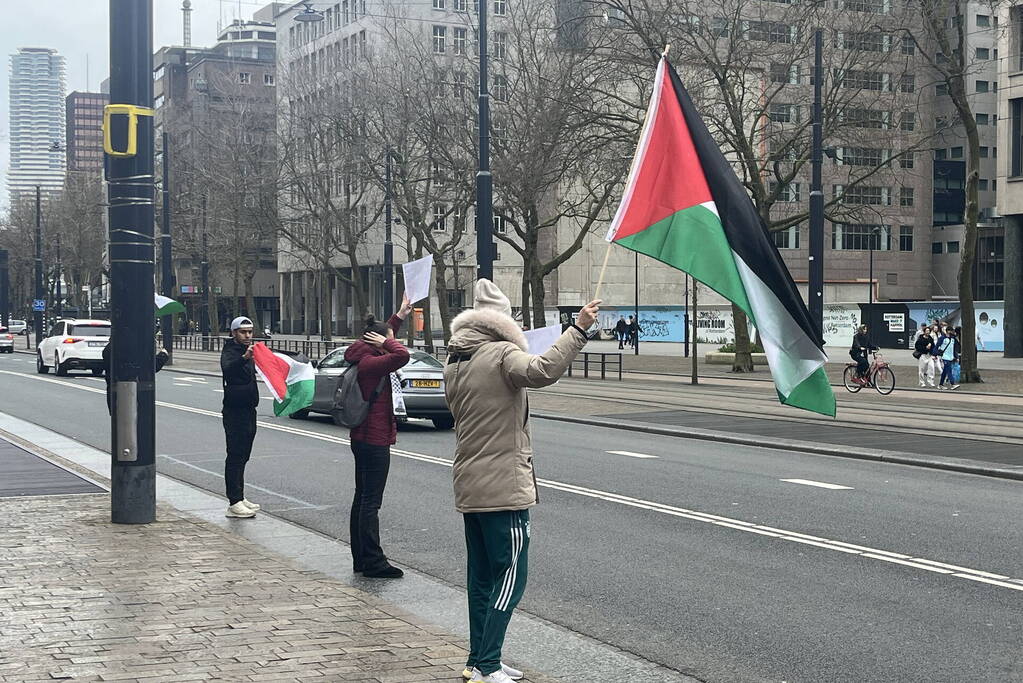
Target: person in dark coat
[
  {"x": 634, "y": 330},
  {"x": 378, "y": 354},
  {"x": 861, "y": 345},
  {"x": 621, "y": 330},
  {"x": 159, "y": 360},
  {"x": 241, "y": 396}
]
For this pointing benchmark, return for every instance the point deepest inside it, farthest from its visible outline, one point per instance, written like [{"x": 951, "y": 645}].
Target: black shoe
[{"x": 386, "y": 572}]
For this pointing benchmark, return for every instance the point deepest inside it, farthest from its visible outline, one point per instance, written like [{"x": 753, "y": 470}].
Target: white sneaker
[
  {"x": 513, "y": 674},
  {"x": 498, "y": 676},
  {"x": 240, "y": 510},
  {"x": 250, "y": 505}
]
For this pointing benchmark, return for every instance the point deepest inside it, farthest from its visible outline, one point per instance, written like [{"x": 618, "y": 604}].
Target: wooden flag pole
[{"x": 603, "y": 269}]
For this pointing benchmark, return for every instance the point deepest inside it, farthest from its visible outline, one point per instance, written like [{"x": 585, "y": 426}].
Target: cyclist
[{"x": 861, "y": 345}]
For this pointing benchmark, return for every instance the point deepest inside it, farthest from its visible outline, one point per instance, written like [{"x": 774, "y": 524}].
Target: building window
[
  {"x": 872, "y": 6},
  {"x": 859, "y": 117},
  {"x": 983, "y": 86},
  {"x": 784, "y": 113},
  {"x": 863, "y": 80},
  {"x": 907, "y": 160},
  {"x": 459, "y": 81},
  {"x": 906, "y": 196},
  {"x": 983, "y": 53},
  {"x": 907, "y": 83},
  {"x": 784, "y": 73},
  {"x": 499, "y": 45},
  {"x": 1016, "y": 137},
  {"x": 460, "y": 5},
  {"x": 955, "y": 153},
  {"x": 439, "y": 217},
  {"x": 770, "y": 32},
  {"x": 790, "y": 192},
  {"x": 787, "y": 238},
  {"x": 908, "y": 45},
  {"x": 936, "y": 248},
  {"x": 860, "y": 156},
  {"x": 952, "y": 247},
  {"x": 244, "y": 77},
  {"x": 440, "y": 34},
  {"x": 268, "y": 79},
  {"x": 905, "y": 238},
  {"x": 907, "y": 121},
  {"x": 982, "y": 119},
  {"x": 438, "y": 4},
  {"x": 983, "y": 21},
  {"x": 500, "y": 8},
  {"x": 864, "y": 195},
  {"x": 500, "y": 88},
  {"x": 500, "y": 225},
  {"x": 458, "y": 42},
  {"x": 860, "y": 237},
  {"x": 982, "y": 184}
]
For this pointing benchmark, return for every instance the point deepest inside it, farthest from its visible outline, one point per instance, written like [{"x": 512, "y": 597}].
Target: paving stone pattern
[{"x": 182, "y": 600}]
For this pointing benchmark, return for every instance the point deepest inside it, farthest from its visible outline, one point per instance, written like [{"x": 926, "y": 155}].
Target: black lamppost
[
  {"x": 388, "y": 244},
  {"x": 58, "y": 304},
  {"x": 37, "y": 307}
]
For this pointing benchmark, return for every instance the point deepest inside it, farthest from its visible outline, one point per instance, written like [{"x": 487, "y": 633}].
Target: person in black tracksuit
[{"x": 241, "y": 396}]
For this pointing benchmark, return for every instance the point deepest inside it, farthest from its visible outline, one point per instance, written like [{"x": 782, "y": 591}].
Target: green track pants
[{"x": 496, "y": 569}]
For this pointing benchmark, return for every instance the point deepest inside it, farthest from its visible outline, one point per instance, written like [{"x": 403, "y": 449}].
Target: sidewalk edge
[{"x": 894, "y": 457}]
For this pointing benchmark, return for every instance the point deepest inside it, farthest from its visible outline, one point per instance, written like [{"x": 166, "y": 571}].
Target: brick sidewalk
[{"x": 182, "y": 600}]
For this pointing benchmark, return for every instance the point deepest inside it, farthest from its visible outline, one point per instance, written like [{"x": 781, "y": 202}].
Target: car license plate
[
  {"x": 426, "y": 384},
  {"x": 97, "y": 343}
]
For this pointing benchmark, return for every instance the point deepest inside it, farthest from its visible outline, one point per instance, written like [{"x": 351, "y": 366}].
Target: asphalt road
[{"x": 702, "y": 558}]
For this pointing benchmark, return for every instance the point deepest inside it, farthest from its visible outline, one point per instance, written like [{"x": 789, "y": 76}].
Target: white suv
[{"x": 74, "y": 345}]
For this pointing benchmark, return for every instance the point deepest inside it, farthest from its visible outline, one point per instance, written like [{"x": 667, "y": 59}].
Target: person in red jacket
[{"x": 378, "y": 354}]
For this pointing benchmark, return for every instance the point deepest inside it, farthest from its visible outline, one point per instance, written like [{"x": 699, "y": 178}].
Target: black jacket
[
  {"x": 159, "y": 360},
  {"x": 922, "y": 344},
  {"x": 621, "y": 326},
  {"x": 240, "y": 390},
  {"x": 862, "y": 341}
]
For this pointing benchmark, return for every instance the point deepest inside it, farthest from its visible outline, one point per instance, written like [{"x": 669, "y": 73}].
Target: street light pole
[
  {"x": 166, "y": 272},
  {"x": 204, "y": 273},
  {"x": 685, "y": 319},
  {"x": 128, "y": 139},
  {"x": 60, "y": 295},
  {"x": 484, "y": 181},
  {"x": 388, "y": 245},
  {"x": 5, "y": 295},
  {"x": 635, "y": 341},
  {"x": 815, "y": 283},
  {"x": 40, "y": 291}
]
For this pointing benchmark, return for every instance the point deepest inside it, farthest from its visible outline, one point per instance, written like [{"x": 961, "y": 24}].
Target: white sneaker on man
[
  {"x": 498, "y": 676},
  {"x": 240, "y": 510},
  {"x": 250, "y": 505},
  {"x": 513, "y": 674}
]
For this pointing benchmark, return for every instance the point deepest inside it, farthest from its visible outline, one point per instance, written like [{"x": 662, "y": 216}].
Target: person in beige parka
[{"x": 485, "y": 379}]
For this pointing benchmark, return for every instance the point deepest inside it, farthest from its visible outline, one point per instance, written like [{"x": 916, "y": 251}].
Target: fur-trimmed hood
[{"x": 472, "y": 328}]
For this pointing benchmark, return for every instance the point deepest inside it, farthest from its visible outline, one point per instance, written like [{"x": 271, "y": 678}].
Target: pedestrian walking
[
  {"x": 241, "y": 396},
  {"x": 621, "y": 330},
  {"x": 950, "y": 354},
  {"x": 378, "y": 356},
  {"x": 861, "y": 345},
  {"x": 922, "y": 352},
  {"x": 486, "y": 377},
  {"x": 634, "y": 330}
]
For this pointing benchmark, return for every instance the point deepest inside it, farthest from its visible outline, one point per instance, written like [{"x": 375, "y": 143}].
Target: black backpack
[{"x": 350, "y": 408}]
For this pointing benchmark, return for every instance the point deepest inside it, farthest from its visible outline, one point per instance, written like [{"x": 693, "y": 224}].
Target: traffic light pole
[
  {"x": 129, "y": 145},
  {"x": 484, "y": 181},
  {"x": 815, "y": 284}
]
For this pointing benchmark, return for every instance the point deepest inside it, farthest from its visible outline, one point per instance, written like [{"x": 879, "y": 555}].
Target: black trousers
[
  {"x": 861, "y": 362},
  {"x": 372, "y": 464},
  {"x": 240, "y": 430}
]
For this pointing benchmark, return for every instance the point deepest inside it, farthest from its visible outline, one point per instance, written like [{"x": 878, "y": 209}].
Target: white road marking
[
  {"x": 920, "y": 563},
  {"x": 819, "y": 484},
  {"x": 630, "y": 454},
  {"x": 199, "y": 380}
]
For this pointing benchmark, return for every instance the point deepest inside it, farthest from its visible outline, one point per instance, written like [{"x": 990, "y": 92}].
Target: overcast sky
[{"x": 78, "y": 30}]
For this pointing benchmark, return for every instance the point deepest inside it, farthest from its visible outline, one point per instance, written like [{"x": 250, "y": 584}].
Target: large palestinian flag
[
  {"x": 291, "y": 381},
  {"x": 683, "y": 205}
]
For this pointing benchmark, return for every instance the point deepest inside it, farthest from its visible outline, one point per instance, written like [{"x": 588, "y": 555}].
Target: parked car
[
  {"x": 422, "y": 387},
  {"x": 17, "y": 327},
  {"x": 73, "y": 345},
  {"x": 6, "y": 340}
]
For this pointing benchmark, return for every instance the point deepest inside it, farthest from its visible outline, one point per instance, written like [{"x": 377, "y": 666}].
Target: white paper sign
[
  {"x": 418, "y": 274},
  {"x": 542, "y": 339}
]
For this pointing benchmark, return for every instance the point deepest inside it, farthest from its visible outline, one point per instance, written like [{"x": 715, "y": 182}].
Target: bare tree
[
  {"x": 76, "y": 215},
  {"x": 747, "y": 64}
]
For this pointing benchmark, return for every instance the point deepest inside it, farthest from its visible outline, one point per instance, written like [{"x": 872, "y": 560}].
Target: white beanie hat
[{"x": 489, "y": 297}]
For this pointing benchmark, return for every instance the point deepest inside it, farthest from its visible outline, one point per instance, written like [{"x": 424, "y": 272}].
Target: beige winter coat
[{"x": 485, "y": 380}]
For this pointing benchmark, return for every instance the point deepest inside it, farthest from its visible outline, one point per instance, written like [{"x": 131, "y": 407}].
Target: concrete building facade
[
  {"x": 37, "y": 86},
  {"x": 1010, "y": 170},
  {"x": 84, "y": 131}
]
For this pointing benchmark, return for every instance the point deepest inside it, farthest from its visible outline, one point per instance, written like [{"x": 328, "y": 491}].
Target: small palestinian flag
[
  {"x": 165, "y": 306},
  {"x": 291, "y": 381},
  {"x": 684, "y": 206}
]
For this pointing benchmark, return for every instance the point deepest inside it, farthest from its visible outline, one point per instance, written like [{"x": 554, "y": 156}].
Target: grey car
[{"x": 422, "y": 387}]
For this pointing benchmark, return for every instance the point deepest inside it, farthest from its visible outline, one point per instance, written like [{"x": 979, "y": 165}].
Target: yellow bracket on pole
[{"x": 132, "y": 112}]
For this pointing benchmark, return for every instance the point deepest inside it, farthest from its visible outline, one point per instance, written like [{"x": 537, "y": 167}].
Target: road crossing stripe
[
  {"x": 819, "y": 484},
  {"x": 933, "y": 566}
]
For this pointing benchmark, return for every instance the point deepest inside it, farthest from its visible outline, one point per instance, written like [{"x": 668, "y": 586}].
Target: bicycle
[{"x": 880, "y": 376}]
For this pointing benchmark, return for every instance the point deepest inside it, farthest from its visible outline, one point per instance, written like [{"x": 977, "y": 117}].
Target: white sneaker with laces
[
  {"x": 250, "y": 505},
  {"x": 240, "y": 510},
  {"x": 513, "y": 674},
  {"x": 498, "y": 676}
]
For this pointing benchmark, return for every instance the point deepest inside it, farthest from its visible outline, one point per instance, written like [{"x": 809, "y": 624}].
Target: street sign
[{"x": 39, "y": 304}]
